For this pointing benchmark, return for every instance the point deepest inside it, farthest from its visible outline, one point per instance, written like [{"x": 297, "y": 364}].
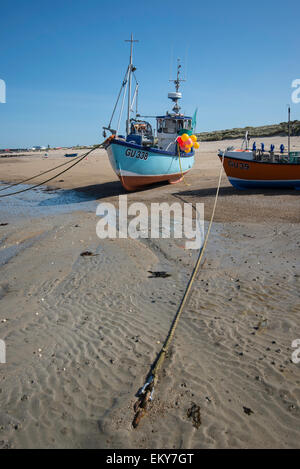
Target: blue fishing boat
[{"x": 141, "y": 158}]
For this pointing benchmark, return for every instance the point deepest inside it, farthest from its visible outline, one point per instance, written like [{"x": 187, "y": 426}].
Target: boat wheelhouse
[{"x": 168, "y": 129}]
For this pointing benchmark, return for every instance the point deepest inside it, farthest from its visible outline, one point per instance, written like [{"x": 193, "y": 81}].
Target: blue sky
[{"x": 63, "y": 62}]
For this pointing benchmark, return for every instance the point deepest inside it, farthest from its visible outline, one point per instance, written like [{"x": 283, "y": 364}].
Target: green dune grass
[{"x": 262, "y": 131}]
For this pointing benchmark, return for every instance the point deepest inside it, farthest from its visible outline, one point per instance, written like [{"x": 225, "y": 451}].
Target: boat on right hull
[
  {"x": 253, "y": 169},
  {"x": 251, "y": 174}
]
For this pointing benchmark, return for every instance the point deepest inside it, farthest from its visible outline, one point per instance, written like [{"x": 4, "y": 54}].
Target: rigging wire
[
  {"x": 56, "y": 175},
  {"x": 123, "y": 101},
  {"x": 122, "y": 86},
  {"x": 40, "y": 174},
  {"x": 135, "y": 96}
]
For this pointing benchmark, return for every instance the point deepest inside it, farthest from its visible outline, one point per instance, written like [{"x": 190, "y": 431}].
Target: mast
[
  {"x": 289, "y": 130},
  {"x": 177, "y": 95},
  {"x": 131, "y": 40},
  {"x": 178, "y": 80}
]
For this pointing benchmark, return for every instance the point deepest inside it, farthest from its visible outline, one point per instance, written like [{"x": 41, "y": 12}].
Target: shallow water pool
[{"x": 42, "y": 201}]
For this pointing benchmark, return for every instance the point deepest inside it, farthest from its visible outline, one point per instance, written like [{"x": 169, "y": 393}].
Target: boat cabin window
[
  {"x": 169, "y": 126},
  {"x": 184, "y": 124},
  {"x": 187, "y": 124},
  {"x": 173, "y": 126},
  {"x": 159, "y": 125},
  {"x": 180, "y": 125},
  {"x": 140, "y": 127}
]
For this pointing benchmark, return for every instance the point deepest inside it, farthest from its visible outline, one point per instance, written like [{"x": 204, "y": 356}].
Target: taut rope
[
  {"x": 78, "y": 160},
  {"x": 146, "y": 392}
]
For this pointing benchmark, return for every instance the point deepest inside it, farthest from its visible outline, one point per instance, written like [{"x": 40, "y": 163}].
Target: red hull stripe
[{"x": 131, "y": 183}]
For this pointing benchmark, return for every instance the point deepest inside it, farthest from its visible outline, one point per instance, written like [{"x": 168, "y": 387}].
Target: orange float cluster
[{"x": 187, "y": 142}]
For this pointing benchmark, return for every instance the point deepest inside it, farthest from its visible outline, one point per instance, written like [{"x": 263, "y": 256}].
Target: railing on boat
[{"x": 289, "y": 158}]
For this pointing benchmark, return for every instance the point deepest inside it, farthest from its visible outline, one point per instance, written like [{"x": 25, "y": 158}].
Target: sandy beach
[{"x": 83, "y": 331}]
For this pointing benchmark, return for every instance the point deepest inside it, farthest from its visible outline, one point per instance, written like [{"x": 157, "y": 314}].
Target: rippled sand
[{"x": 82, "y": 332}]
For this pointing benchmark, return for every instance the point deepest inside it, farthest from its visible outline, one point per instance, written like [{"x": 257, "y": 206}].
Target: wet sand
[
  {"x": 93, "y": 178},
  {"x": 82, "y": 332}
]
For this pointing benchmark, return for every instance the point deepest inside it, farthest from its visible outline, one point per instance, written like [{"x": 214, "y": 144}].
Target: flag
[{"x": 194, "y": 120}]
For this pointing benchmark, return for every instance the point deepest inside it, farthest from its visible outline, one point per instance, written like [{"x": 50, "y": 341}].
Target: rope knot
[{"x": 141, "y": 405}]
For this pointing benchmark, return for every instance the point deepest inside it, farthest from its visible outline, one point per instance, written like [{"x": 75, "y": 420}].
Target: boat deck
[{"x": 266, "y": 157}]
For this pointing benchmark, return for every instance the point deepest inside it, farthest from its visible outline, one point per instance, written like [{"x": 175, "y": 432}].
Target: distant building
[
  {"x": 37, "y": 147},
  {"x": 13, "y": 150}
]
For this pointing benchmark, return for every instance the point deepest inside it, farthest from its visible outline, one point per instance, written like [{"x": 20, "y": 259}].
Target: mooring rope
[
  {"x": 80, "y": 158},
  {"x": 40, "y": 174},
  {"x": 146, "y": 392},
  {"x": 182, "y": 175}
]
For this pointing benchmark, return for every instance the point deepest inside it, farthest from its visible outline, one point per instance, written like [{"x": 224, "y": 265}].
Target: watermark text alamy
[{"x": 160, "y": 220}]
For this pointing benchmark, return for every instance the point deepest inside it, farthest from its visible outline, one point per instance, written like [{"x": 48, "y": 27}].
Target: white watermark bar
[
  {"x": 2, "y": 91},
  {"x": 296, "y": 353},
  {"x": 296, "y": 92},
  {"x": 164, "y": 221},
  {"x": 2, "y": 351}
]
